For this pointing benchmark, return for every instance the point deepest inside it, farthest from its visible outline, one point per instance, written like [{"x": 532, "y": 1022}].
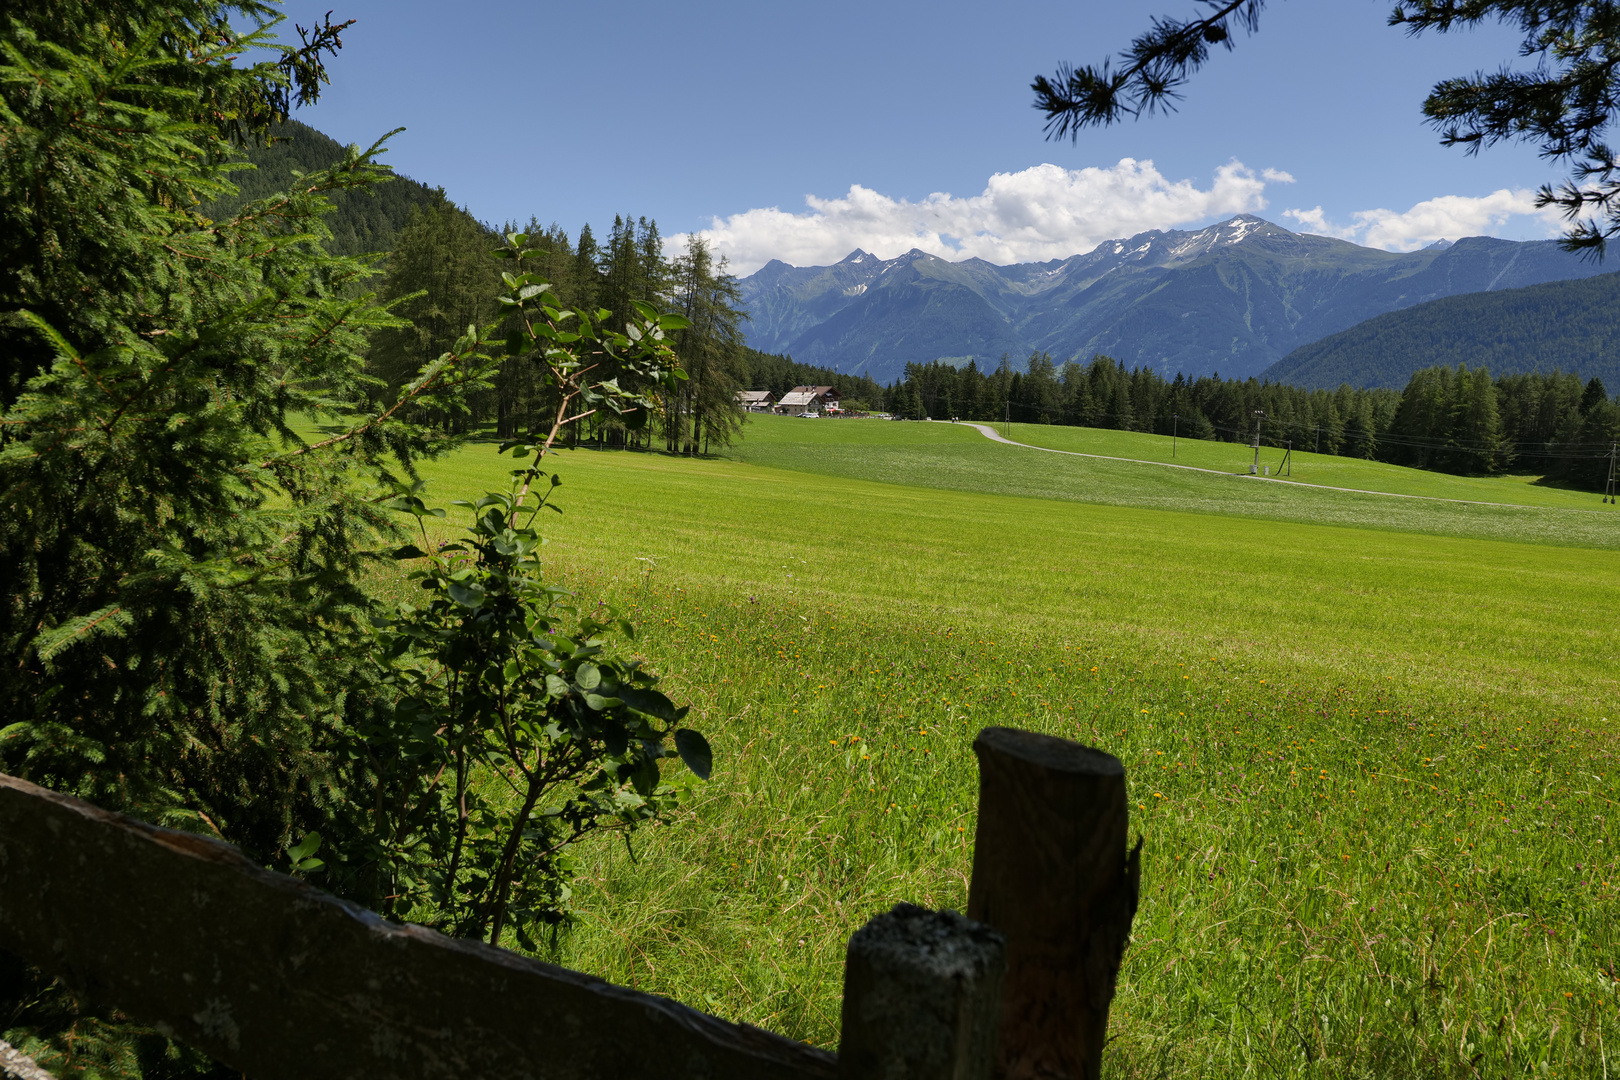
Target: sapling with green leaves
[{"x": 514, "y": 728}]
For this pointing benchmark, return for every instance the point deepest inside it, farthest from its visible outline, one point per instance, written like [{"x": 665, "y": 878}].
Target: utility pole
[
  {"x": 1259, "y": 418},
  {"x": 1006, "y": 417},
  {"x": 1175, "y": 419},
  {"x": 1609, "y": 494},
  {"x": 1318, "y": 438}
]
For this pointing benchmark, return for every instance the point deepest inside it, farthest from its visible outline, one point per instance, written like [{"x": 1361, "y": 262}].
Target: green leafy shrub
[{"x": 507, "y": 729}]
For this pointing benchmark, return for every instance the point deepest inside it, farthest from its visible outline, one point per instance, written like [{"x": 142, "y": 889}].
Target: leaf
[
  {"x": 306, "y": 847},
  {"x": 650, "y": 702},
  {"x": 600, "y": 703},
  {"x": 695, "y": 752},
  {"x": 468, "y": 596},
  {"x": 634, "y": 419},
  {"x": 556, "y": 687},
  {"x": 408, "y": 504},
  {"x": 589, "y": 676}
]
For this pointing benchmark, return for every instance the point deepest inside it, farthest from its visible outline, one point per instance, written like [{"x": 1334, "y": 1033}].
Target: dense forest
[
  {"x": 1448, "y": 419},
  {"x": 441, "y": 279}
]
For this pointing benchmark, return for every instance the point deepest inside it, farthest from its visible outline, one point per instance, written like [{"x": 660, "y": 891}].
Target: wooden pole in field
[
  {"x": 1051, "y": 872},
  {"x": 922, "y": 997}
]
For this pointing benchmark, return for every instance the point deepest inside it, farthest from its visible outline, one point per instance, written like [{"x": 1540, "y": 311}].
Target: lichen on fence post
[{"x": 922, "y": 997}]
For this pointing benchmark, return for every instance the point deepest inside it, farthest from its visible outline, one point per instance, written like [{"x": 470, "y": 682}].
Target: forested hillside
[
  {"x": 1566, "y": 325},
  {"x": 439, "y": 274},
  {"x": 365, "y": 219}
]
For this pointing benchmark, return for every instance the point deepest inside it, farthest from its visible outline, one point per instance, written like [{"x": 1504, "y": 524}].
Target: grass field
[
  {"x": 1373, "y": 765},
  {"x": 1306, "y": 467},
  {"x": 958, "y": 457}
]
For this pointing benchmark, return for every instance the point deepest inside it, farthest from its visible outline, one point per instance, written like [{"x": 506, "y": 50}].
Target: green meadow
[
  {"x": 1370, "y": 741},
  {"x": 958, "y": 456},
  {"x": 1303, "y": 467}
]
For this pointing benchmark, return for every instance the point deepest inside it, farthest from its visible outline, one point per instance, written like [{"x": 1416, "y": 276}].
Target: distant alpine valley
[{"x": 1234, "y": 298}]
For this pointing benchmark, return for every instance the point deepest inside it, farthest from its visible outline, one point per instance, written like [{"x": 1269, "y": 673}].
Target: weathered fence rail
[{"x": 270, "y": 975}]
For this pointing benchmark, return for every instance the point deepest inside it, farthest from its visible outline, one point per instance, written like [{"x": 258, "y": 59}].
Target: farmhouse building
[
  {"x": 808, "y": 399},
  {"x": 756, "y": 400}
]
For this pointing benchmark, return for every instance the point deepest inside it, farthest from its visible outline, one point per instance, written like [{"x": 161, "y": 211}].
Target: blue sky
[{"x": 895, "y": 118}]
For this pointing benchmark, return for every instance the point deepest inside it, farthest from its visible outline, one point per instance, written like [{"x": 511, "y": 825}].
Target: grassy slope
[
  {"x": 1308, "y": 468},
  {"x": 958, "y": 457},
  {"x": 1374, "y": 770}
]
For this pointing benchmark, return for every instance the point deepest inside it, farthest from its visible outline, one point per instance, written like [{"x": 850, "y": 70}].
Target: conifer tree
[
  {"x": 181, "y": 617},
  {"x": 705, "y": 413},
  {"x": 1479, "y": 424},
  {"x": 439, "y": 277},
  {"x": 1594, "y": 395}
]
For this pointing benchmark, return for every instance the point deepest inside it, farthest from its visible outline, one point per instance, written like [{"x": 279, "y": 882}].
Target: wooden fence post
[
  {"x": 1051, "y": 872},
  {"x": 922, "y": 997}
]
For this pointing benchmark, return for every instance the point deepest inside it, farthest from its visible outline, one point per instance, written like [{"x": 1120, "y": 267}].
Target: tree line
[
  {"x": 1448, "y": 419},
  {"x": 440, "y": 278}
]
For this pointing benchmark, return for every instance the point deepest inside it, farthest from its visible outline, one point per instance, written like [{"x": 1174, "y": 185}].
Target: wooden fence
[{"x": 281, "y": 980}]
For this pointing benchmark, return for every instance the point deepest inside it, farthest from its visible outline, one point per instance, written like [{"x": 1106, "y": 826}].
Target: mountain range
[{"x": 1234, "y": 298}]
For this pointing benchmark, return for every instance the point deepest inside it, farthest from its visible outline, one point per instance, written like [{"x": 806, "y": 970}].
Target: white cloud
[
  {"x": 1045, "y": 212},
  {"x": 1448, "y": 217}
]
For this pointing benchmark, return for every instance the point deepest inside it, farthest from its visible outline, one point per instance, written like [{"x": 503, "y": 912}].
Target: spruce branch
[{"x": 1154, "y": 68}]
